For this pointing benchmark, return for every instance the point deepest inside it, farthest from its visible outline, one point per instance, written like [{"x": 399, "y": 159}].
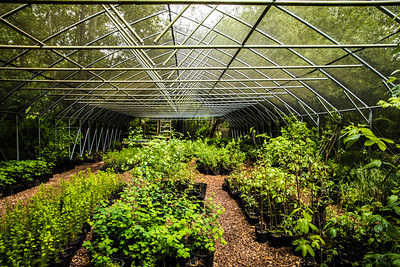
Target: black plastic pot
[
  {"x": 203, "y": 260},
  {"x": 170, "y": 262},
  {"x": 86, "y": 228},
  {"x": 252, "y": 216},
  {"x": 65, "y": 258},
  {"x": 261, "y": 235},
  {"x": 234, "y": 193},
  {"x": 193, "y": 194},
  {"x": 123, "y": 261},
  {"x": 202, "y": 187},
  {"x": 200, "y": 201},
  {"x": 63, "y": 261},
  {"x": 307, "y": 262},
  {"x": 8, "y": 191},
  {"x": 280, "y": 240},
  {"x": 225, "y": 187}
]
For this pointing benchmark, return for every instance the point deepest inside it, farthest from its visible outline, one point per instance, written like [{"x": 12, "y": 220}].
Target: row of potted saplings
[
  {"x": 270, "y": 203},
  {"x": 266, "y": 217}
]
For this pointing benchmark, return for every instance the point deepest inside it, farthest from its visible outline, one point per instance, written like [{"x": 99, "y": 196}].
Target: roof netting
[{"x": 184, "y": 59}]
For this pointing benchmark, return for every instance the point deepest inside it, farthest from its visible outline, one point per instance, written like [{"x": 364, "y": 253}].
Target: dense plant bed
[
  {"x": 153, "y": 226},
  {"x": 49, "y": 227}
]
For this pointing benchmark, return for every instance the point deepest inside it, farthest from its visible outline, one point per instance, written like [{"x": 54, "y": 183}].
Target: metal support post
[
  {"x": 69, "y": 134},
  {"x": 80, "y": 139},
  {"x": 76, "y": 140},
  {"x": 111, "y": 138},
  {"x": 93, "y": 141},
  {"x": 105, "y": 139},
  {"x": 88, "y": 149},
  {"x": 55, "y": 133},
  {"x": 39, "y": 140},
  {"x": 99, "y": 139},
  {"x": 17, "y": 135},
  {"x": 84, "y": 143},
  {"x": 120, "y": 133}
]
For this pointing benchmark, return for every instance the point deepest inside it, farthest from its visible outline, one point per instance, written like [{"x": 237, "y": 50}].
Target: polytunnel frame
[{"x": 256, "y": 109}]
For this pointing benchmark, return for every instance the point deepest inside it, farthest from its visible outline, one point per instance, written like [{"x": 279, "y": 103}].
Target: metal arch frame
[
  {"x": 247, "y": 76},
  {"x": 301, "y": 104},
  {"x": 106, "y": 90},
  {"x": 319, "y": 97},
  {"x": 330, "y": 38},
  {"x": 89, "y": 43},
  {"x": 256, "y": 29},
  {"x": 132, "y": 23},
  {"x": 240, "y": 90},
  {"x": 260, "y": 18},
  {"x": 101, "y": 58},
  {"x": 323, "y": 71},
  {"x": 229, "y": 75}
]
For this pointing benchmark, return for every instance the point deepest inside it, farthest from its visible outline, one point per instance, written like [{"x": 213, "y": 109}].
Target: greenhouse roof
[{"x": 241, "y": 60}]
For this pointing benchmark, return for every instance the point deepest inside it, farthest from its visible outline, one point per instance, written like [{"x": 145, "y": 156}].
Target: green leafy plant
[
  {"x": 353, "y": 133},
  {"x": 149, "y": 224}
]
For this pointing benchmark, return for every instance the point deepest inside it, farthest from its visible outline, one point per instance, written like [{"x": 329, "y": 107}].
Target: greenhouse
[{"x": 199, "y": 133}]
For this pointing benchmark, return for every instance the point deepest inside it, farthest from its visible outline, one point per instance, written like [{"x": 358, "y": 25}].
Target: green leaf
[
  {"x": 376, "y": 163},
  {"x": 392, "y": 199},
  {"x": 333, "y": 232},
  {"x": 381, "y": 145},
  {"x": 311, "y": 251},
  {"x": 396, "y": 90},
  {"x": 302, "y": 225},
  {"x": 303, "y": 249},
  {"x": 396, "y": 50},
  {"x": 391, "y": 79},
  {"x": 396, "y": 71},
  {"x": 312, "y": 226},
  {"x": 389, "y": 141},
  {"x": 350, "y": 140},
  {"x": 396, "y": 263},
  {"x": 378, "y": 228},
  {"x": 368, "y": 133},
  {"x": 397, "y": 210},
  {"x": 369, "y": 142}
]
